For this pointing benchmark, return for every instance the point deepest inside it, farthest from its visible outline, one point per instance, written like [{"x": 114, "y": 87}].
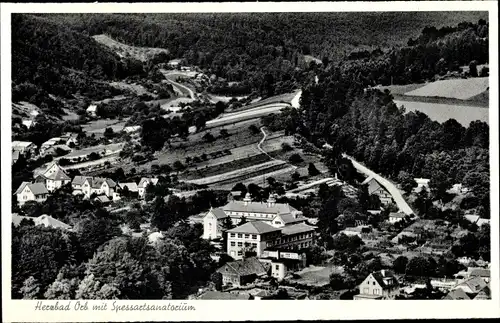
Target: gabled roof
[
  {"x": 481, "y": 272},
  {"x": 148, "y": 180},
  {"x": 49, "y": 221},
  {"x": 457, "y": 294},
  {"x": 132, "y": 186},
  {"x": 58, "y": 175},
  {"x": 475, "y": 284},
  {"x": 96, "y": 182},
  {"x": 382, "y": 276},
  {"x": 102, "y": 199},
  {"x": 15, "y": 155},
  {"x": 219, "y": 213},
  {"x": 297, "y": 228},
  {"x": 21, "y": 144},
  {"x": 259, "y": 207},
  {"x": 35, "y": 188},
  {"x": 485, "y": 293},
  {"x": 244, "y": 267},
  {"x": 254, "y": 227},
  {"x": 79, "y": 180}
]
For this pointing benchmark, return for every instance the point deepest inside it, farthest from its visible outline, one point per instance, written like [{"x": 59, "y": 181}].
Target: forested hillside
[
  {"x": 259, "y": 49},
  {"x": 49, "y": 58}
]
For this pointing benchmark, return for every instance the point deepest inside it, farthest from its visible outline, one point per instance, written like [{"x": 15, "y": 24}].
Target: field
[
  {"x": 140, "y": 53},
  {"x": 315, "y": 275},
  {"x": 462, "y": 89},
  {"x": 442, "y": 112},
  {"x": 135, "y": 88},
  {"x": 99, "y": 126}
]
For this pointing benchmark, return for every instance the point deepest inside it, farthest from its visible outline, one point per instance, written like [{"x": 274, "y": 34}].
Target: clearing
[
  {"x": 462, "y": 89},
  {"x": 99, "y": 126},
  {"x": 142, "y": 54}
]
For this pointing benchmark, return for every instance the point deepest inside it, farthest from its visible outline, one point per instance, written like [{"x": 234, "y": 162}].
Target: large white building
[
  {"x": 275, "y": 214},
  {"x": 53, "y": 177}
]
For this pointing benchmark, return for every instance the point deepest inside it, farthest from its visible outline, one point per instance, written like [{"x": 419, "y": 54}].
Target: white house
[
  {"x": 92, "y": 110},
  {"x": 421, "y": 183},
  {"x": 375, "y": 188},
  {"x": 396, "y": 217},
  {"x": 378, "y": 285},
  {"x": 131, "y": 129},
  {"x": 70, "y": 138},
  {"x": 28, "y": 123},
  {"x": 53, "y": 177},
  {"x": 31, "y": 192},
  {"x": 143, "y": 183},
  {"x": 24, "y": 147},
  {"x": 90, "y": 185}
]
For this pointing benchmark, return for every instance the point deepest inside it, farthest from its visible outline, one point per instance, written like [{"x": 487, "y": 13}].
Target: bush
[
  {"x": 286, "y": 147},
  {"x": 295, "y": 159},
  {"x": 253, "y": 128}
]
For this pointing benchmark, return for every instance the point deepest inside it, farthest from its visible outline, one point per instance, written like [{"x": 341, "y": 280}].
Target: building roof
[
  {"x": 215, "y": 295},
  {"x": 397, "y": 215},
  {"x": 102, "y": 199},
  {"x": 472, "y": 217},
  {"x": 254, "y": 227},
  {"x": 475, "y": 284},
  {"x": 244, "y": 267},
  {"x": 15, "y": 155},
  {"x": 21, "y": 144},
  {"x": 130, "y": 129},
  {"x": 16, "y": 219},
  {"x": 132, "y": 186},
  {"x": 49, "y": 221},
  {"x": 297, "y": 228},
  {"x": 79, "y": 180},
  {"x": 457, "y": 294},
  {"x": 422, "y": 181},
  {"x": 147, "y": 179},
  {"x": 259, "y": 207},
  {"x": 484, "y": 293},
  {"x": 381, "y": 278},
  {"x": 58, "y": 175},
  {"x": 35, "y": 188},
  {"x": 92, "y": 108},
  {"x": 219, "y": 213},
  {"x": 96, "y": 182},
  {"x": 480, "y": 272}
]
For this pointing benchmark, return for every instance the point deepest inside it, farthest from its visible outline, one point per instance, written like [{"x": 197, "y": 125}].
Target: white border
[{"x": 245, "y": 310}]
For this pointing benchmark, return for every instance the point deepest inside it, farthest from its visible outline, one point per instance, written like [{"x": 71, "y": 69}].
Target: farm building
[{"x": 375, "y": 188}]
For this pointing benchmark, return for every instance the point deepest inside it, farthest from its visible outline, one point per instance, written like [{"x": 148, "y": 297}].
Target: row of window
[
  {"x": 247, "y": 244},
  {"x": 240, "y": 235},
  {"x": 260, "y": 215}
]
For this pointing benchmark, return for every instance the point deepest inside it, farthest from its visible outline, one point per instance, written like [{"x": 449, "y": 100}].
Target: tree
[
  {"x": 399, "y": 264},
  {"x": 407, "y": 182},
  {"x": 227, "y": 224},
  {"x": 253, "y": 129},
  {"x": 473, "y": 68},
  {"x": 295, "y": 176},
  {"x": 337, "y": 281},
  {"x": 30, "y": 289},
  {"x": 312, "y": 170},
  {"x": 285, "y": 147},
  {"x": 178, "y": 166},
  {"x": 295, "y": 159},
  {"x": 243, "y": 220},
  {"x": 109, "y": 133},
  {"x": 94, "y": 231},
  {"x": 208, "y": 137},
  {"x": 62, "y": 288}
]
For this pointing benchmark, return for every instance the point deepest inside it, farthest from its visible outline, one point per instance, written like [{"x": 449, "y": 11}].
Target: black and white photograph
[{"x": 250, "y": 156}]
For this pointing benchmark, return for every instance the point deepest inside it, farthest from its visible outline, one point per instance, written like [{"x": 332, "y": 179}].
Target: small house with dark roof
[
  {"x": 378, "y": 285},
  {"x": 243, "y": 271},
  {"x": 31, "y": 192},
  {"x": 375, "y": 188},
  {"x": 53, "y": 177}
]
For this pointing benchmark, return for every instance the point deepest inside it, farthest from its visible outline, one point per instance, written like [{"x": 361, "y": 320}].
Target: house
[
  {"x": 472, "y": 285},
  {"x": 93, "y": 185},
  {"x": 48, "y": 221},
  {"x": 131, "y": 186},
  {"x": 145, "y": 181},
  {"x": 476, "y": 219},
  {"x": 215, "y": 295},
  {"x": 282, "y": 261},
  {"x": 396, "y": 217},
  {"x": 483, "y": 273},
  {"x": 103, "y": 199},
  {"x": 457, "y": 294},
  {"x": 28, "y": 123},
  {"x": 256, "y": 236},
  {"x": 483, "y": 294},
  {"x": 174, "y": 63},
  {"x": 355, "y": 231},
  {"x": 31, "y": 192},
  {"x": 92, "y": 110},
  {"x": 242, "y": 271},
  {"x": 26, "y": 148},
  {"x": 381, "y": 284},
  {"x": 421, "y": 184},
  {"x": 48, "y": 144},
  {"x": 275, "y": 214},
  {"x": 131, "y": 129},
  {"x": 56, "y": 149},
  {"x": 53, "y": 177},
  {"x": 458, "y": 189},
  {"x": 70, "y": 139},
  {"x": 375, "y": 188}
]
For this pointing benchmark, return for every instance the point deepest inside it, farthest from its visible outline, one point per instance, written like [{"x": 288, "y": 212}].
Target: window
[
  {"x": 240, "y": 235},
  {"x": 373, "y": 283},
  {"x": 240, "y": 244},
  {"x": 277, "y": 267},
  {"x": 247, "y": 236},
  {"x": 233, "y": 235},
  {"x": 240, "y": 253},
  {"x": 233, "y": 244},
  {"x": 277, "y": 222},
  {"x": 254, "y": 236}
]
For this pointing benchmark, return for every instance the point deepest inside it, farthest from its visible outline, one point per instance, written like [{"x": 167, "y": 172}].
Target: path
[
  {"x": 178, "y": 85},
  {"x": 393, "y": 190},
  {"x": 259, "y": 146}
]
